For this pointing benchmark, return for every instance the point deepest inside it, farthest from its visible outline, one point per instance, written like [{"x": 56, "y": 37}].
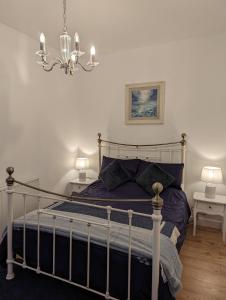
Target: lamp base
[
  {"x": 210, "y": 192},
  {"x": 82, "y": 176}
]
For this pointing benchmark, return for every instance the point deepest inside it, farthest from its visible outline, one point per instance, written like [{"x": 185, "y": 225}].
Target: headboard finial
[
  {"x": 183, "y": 141},
  {"x": 157, "y": 201},
  {"x": 10, "y": 179},
  {"x": 99, "y": 138}
]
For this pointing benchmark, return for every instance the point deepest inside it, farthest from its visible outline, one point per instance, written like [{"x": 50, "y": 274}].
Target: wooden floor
[{"x": 204, "y": 261}]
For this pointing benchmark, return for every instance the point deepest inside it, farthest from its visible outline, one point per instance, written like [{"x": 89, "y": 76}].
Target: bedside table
[
  {"x": 216, "y": 206},
  {"x": 78, "y": 186}
]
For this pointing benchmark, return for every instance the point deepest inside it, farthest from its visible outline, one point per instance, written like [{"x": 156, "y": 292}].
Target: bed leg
[
  {"x": 9, "y": 261},
  {"x": 157, "y": 204}
]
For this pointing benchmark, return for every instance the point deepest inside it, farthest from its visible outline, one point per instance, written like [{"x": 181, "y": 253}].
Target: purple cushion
[
  {"x": 176, "y": 170},
  {"x": 114, "y": 175},
  {"x": 130, "y": 165},
  {"x": 153, "y": 173}
]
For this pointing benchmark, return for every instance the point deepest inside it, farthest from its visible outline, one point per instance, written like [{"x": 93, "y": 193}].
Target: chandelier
[{"x": 69, "y": 59}]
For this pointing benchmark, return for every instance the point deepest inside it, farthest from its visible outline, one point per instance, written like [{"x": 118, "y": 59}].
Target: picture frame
[{"x": 145, "y": 103}]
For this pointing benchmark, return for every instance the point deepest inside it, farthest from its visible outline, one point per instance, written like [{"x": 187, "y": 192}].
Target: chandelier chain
[{"x": 65, "y": 15}]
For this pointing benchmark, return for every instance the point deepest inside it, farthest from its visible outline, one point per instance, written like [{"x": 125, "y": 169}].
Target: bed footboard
[{"x": 157, "y": 203}]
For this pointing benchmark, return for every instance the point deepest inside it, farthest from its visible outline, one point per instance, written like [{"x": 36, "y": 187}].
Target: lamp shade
[
  {"x": 82, "y": 163},
  {"x": 211, "y": 175}
]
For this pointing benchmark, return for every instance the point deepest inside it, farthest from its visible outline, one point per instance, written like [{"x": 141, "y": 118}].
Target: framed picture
[{"x": 145, "y": 103}]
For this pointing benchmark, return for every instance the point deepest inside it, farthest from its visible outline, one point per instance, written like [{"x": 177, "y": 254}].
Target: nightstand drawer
[
  {"x": 210, "y": 207},
  {"x": 78, "y": 187}
]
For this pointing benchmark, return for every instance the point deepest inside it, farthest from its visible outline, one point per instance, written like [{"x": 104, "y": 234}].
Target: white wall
[
  {"x": 195, "y": 74},
  {"x": 38, "y": 124}
]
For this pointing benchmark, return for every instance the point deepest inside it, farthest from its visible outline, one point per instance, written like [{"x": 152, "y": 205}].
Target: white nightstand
[
  {"x": 78, "y": 186},
  {"x": 216, "y": 206}
]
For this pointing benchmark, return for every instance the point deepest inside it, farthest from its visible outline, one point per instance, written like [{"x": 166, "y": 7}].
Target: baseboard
[{"x": 208, "y": 221}]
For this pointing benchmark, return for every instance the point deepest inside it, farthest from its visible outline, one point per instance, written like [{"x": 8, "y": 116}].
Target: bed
[{"x": 104, "y": 241}]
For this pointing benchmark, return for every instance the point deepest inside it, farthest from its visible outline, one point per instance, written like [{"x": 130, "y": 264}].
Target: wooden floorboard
[{"x": 204, "y": 262}]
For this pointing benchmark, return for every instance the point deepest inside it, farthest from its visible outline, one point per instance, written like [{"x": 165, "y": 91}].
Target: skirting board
[{"x": 208, "y": 221}]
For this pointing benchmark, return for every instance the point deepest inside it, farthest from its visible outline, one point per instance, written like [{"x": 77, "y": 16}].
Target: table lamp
[
  {"x": 211, "y": 175},
  {"x": 82, "y": 164}
]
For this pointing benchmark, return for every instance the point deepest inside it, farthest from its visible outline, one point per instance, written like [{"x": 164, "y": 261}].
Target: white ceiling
[{"x": 114, "y": 25}]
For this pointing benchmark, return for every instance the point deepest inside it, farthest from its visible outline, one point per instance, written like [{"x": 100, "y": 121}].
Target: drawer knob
[{"x": 210, "y": 206}]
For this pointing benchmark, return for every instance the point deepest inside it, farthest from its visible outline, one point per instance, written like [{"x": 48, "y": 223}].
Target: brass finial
[
  {"x": 183, "y": 141},
  {"x": 99, "y": 137},
  {"x": 10, "y": 179},
  {"x": 157, "y": 201}
]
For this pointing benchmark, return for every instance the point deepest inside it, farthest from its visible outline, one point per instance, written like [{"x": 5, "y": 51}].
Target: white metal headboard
[{"x": 171, "y": 152}]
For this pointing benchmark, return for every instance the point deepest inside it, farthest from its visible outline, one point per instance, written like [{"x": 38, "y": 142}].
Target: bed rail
[{"x": 157, "y": 204}]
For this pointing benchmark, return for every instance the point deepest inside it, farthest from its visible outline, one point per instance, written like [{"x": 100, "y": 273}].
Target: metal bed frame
[
  {"x": 164, "y": 152},
  {"x": 157, "y": 203}
]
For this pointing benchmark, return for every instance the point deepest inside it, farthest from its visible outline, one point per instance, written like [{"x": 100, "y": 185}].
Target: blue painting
[{"x": 144, "y": 103}]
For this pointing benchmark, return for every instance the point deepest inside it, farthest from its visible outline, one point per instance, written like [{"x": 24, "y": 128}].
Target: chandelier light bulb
[
  {"x": 92, "y": 55},
  {"x": 77, "y": 40},
  {"x": 42, "y": 38},
  {"x": 42, "y": 43},
  {"x": 93, "y": 51}
]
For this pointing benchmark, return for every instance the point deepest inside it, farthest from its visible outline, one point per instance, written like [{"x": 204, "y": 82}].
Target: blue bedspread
[{"x": 175, "y": 207}]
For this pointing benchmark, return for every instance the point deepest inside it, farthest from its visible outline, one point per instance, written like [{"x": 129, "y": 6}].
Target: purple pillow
[
  {"x": 114, "y": 175},
  {"x": 174, "y": 169},
  {"x": 153, "y": 173},
  {"x": 130, "y": 165}
]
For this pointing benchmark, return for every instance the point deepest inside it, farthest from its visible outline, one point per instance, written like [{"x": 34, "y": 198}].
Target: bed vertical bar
[
  {"x": 130, "y": 215},
  {"x": 107, "y": 296},
  {"x": 70, "y": 251},
  {"x": 38, "y": 244},
  {"x": 10, "y": 181},
  {"x": 88, "y": 255},
  {"x": 1, "y": 213},
  {"x": 157, "y": 204},
  {"x": 24, "y": 233},
  {"x": 99, "y": 150},
  {"x": 54, "y": 244},
  {"x": 183, "y": 152}
]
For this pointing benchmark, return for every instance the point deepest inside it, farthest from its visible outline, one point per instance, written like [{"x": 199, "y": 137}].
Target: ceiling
[{"x": 115, "y": 25}]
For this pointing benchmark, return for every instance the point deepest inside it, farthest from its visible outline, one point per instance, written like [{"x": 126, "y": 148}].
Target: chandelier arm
[
  {"x": 84, "y": 69},
  {"x": 60, "y": 61},
  {"x": 51, "y": 67},
  {"x": 43, "y": 58}
]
